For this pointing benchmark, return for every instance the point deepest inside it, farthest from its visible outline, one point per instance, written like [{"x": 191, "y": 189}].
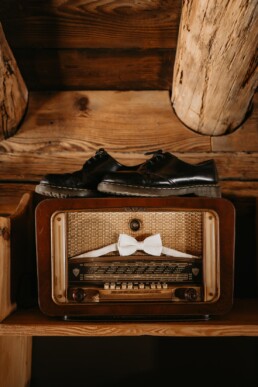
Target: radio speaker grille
[{"x": 180, "y": 230}]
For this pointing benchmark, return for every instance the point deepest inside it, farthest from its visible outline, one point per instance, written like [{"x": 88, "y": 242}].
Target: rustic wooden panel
[
  {"x": 10, "y": 196},
  {"x": 245, "y": 138},
  {"x": 87, "y": 23},
  {"x": 7, "y": 304},
  {"x": 241, "y": 321},
  {"x": 17, "y": 256},
  {"x": 239, "y": 189},
  {"x": 63, "y": 129},
  {"x": 69, "y": 126},
  {"x": 99, "y": 69},
  {"x": 15, "y": 361},
  {"x": 32, "y": 166}
]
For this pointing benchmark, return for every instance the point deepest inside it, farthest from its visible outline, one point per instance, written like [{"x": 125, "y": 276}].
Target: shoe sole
[
  {"x": 129, "y": 190},
  {"x": 61, "y": 192}
]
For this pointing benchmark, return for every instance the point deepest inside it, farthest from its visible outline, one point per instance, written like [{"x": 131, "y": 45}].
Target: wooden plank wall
[
  {"x": 85, "y": 44},
  {"x": 75, "y": 56}
]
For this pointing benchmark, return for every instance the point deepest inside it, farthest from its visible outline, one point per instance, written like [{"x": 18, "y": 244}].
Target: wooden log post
[
  {"x": 215, "y": 72},
  {"x": 13, "y": 91}
]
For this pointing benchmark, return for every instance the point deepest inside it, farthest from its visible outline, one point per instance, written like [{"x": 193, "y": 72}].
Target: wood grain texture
[
  {"x": 7, "y": 305},
  {"x": 237, "y": 166},
  {"x": 241, "y": 321},
  {"x": 15, "y": 361},
  {"x": 215, "y": 74},
  {"x": 63, "y": 129},
  {"x": 70, "y": 126},
  {"x": 92, "y": 24},
  {"x": 239, "y": 189},
  {"x": 13, "y": 91},
  {"x": 245, "y": 138},
  {"x": 16, "y": 249},
  {"x": 11, "y": 195},
  {"x": 96, "y": 69}
]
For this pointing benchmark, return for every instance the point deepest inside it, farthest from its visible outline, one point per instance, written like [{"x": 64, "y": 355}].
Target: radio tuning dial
[
  {"x": 78, "y": 295},
  {"x": 189, "y": 294}
]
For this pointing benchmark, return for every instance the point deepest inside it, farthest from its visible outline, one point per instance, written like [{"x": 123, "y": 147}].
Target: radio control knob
[
  {"x": 78, "y": 295},
  {"x": 135, "y": 224},
  {"x": 189, "y": 294}
]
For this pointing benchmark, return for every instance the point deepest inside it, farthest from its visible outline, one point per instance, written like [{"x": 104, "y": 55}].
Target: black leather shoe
[
  {"x": 164, "y": 175},
  {"x": 82, "y": 183}
]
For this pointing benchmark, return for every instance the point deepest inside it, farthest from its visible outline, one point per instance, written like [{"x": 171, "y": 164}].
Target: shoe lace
[
  {"x": 156, "y": 158},
  {"x": 98, "y": 155}
]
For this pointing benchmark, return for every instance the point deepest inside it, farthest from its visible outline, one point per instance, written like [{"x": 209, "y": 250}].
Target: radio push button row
[{"x": 141, "y": 286}]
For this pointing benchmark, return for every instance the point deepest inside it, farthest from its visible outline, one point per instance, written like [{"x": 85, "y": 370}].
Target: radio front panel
[
  {"x": 173, "y": 261},
  {"x": 138, "y": 277}
]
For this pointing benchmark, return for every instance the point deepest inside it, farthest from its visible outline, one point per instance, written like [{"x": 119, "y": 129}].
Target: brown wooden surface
[
  {"x": 63, "y": 129},
  {"x": 96, "y": 69},
  {"x": 15, "y": 361},
  {"x": 242, "y": 320},
  {"x": 13, "y": 91},
  {"x": 17, "y": 250},
  {"x": 7, "y": 305},
  {"x": 215, "y": 73},
  {"x": 245, "y": 138},
  {"x": 118, "y": 45},
  {"x": 91, "y": 24},
  {"x": 10, "y": 196}
]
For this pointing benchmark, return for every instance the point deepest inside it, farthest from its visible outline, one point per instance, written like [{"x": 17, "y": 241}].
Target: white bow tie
[{"x": 128, "y": 245}]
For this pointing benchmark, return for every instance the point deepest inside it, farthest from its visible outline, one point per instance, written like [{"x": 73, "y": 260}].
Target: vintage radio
[{"x": 135, "y": 258}]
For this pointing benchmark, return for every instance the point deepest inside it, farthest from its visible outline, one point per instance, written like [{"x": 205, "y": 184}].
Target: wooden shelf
[{"x": 241, "y": 321}]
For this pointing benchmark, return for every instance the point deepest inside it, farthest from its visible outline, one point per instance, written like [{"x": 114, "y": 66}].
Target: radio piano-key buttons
[
  {"x": 106, "y": 286},
  {"x": 141, "y": 286},
  {"x": 112, "y": 285}
]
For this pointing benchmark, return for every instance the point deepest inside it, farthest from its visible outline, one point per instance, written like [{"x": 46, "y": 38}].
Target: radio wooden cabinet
[{"x": 117, "y": 75}]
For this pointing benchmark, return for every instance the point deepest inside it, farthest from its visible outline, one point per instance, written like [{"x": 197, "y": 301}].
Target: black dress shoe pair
[{"x": 162, "y": 175}]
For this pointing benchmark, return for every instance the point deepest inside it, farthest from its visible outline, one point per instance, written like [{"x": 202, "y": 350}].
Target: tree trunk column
[
  {"x": 215, "y": 72},
  {"x": 13, "y": 91}
]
